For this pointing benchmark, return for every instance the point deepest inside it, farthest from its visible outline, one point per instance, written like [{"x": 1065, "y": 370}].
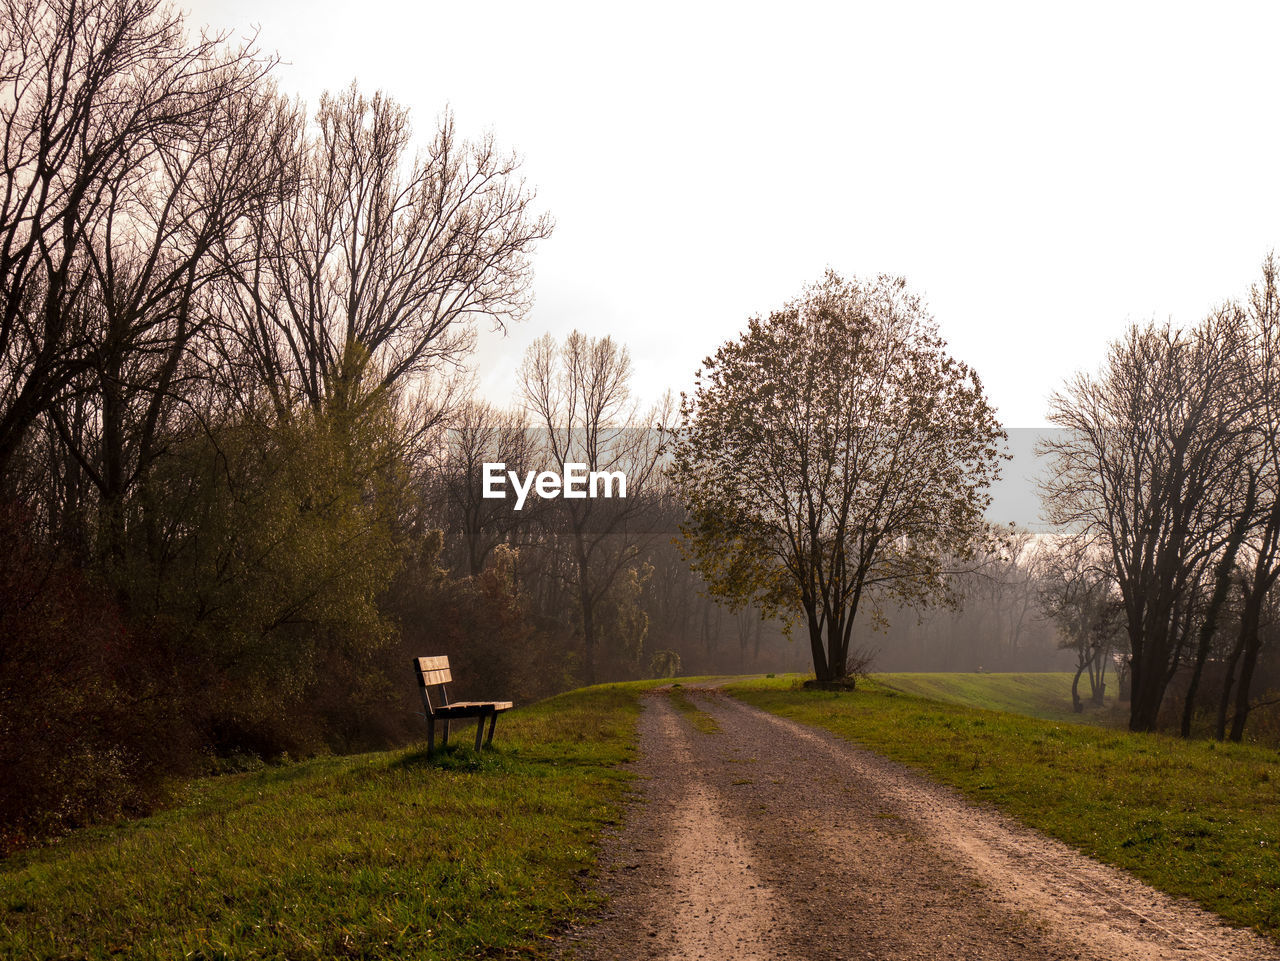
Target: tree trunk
[
  {"x": 1098, "y": 691},
  {"x": 821, "y": 666},
  {"x": 838, "y": 649},
  {"x": 588, "y": 634},
  {"x": 111, "y": 532},
  {"x": 588, "y": 613},
  {"x": 1253, "y": 643},
  {"x": 1221, "y": 584},
  {"x": 1248, "y": 616},
  {"x": 1147, "y": 689}
]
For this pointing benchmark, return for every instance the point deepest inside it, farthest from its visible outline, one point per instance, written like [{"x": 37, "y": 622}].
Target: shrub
[{"x": 89, "y": 719}]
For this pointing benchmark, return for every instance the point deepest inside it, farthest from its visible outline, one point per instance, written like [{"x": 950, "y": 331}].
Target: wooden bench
[{"x": 434, "y": 673}]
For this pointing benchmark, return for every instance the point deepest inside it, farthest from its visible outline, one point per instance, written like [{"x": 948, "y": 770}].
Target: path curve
[{"x": 772, "y": 840}]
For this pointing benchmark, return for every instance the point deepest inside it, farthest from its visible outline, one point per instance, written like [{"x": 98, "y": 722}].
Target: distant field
[{"x": 1036, "y": 695}]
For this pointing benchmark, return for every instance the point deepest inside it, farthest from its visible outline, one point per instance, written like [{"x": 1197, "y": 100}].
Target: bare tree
[
  {"x": 1261, "y": 548},
  {"x": 580, "y": 396},
  {"x": 154, "y": 248},
  {"x": 479, "y": 434},
  {"x": 1077, "y": 591},
  {"x": 396, "y": 254},
  {"x": 1147, "y": 467},
  {"x": 87, "y": 89}
]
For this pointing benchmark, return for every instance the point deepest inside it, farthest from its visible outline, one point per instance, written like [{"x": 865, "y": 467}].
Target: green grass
[
  {"x": 1193, "y": 818},
  {"x": 373, "y": 856},
  {"x": 390, "y": 856},
  {"x": 700, "y": 719},
  {"x": 1045, "y": 695}
]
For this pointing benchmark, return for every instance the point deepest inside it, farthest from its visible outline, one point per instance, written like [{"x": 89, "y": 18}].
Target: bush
[
  {"x": 496, "y": 648},
  {"x": 89, "y": 719},
  {"x": 281, "y": 545}
]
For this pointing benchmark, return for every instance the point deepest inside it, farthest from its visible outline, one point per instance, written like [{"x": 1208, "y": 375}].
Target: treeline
[
  {"x": 1165, "y": 486},
  {"x": 238, "y": 467},
  {"x": 602, "y": 578},
  {"x": 1158, "y": 580},
  {"x": 226, "y": 333}
]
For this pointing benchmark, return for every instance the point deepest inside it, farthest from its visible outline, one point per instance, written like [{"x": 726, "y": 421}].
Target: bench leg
[
  {"x": 493, "y": 719},
  {"x": 479, "y": 731},
  {"x": 444, "y": 733},
  {"x": 431, "y": 736}
]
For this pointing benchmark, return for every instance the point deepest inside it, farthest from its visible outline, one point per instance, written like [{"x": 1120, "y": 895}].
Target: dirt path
[{"x": 769, "y": 839}]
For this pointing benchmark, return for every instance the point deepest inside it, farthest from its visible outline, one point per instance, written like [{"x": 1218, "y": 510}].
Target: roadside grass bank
[
  {"x": 1196, "y": 819},
  {"x": 1045, "y": 695},
  {"x": 383, "y": 855}
]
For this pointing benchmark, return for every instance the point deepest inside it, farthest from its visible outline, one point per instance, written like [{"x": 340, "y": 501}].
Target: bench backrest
[{"x": 433, "y": 672}]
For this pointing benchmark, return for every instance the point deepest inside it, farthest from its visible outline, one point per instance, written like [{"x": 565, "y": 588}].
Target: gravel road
[{"x": 772, "y": 840}]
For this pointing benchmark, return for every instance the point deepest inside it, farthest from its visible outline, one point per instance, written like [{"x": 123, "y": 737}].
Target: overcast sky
[{"x": 1042, "y": 177}]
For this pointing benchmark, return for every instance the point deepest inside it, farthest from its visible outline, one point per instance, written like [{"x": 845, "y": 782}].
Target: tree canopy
[{"x": 835, "y": 452}]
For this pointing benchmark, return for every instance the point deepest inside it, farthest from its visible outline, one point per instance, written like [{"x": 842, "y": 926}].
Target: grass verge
[
  {"x": 700, "y": 719},
  {"x": 372, "y": 856},
  {"x": 1194, "y": 818}
]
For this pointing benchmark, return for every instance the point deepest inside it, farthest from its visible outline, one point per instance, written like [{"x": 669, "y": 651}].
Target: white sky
[{"x": 1041, "y": 177}]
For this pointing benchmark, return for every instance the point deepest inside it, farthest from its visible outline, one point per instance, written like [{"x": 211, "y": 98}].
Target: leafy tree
[
  {"x": 280, "y": 536},
  {"x": 664, "y": 663},
  {"x": 832, "y": 453}
]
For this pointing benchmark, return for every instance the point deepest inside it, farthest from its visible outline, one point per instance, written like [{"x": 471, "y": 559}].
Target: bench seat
[
  {"x": 433, "y": 674},
  {"x": 469, "y": 708}
]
